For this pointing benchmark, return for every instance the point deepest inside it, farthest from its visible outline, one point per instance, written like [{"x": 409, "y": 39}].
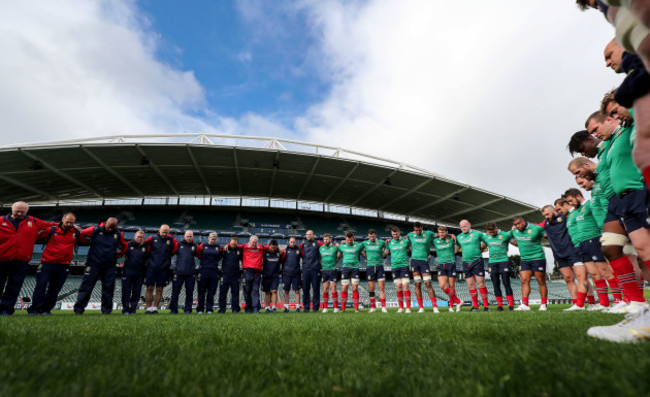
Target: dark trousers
[
  {"x": 177, "y": 284},
  {"x": 12, "y": 275},
  {"x": 97, "y": 271},
  {"x": 232, "y": 283},
  {"x": 252, "y": 280},
  {"x": 311, "y": 279},
  {"x": 131, "y": 291},
  {"x": 506, "y": 283},
  {"x": 50, "y": 278},
  {"x": 207, "y": 285}
]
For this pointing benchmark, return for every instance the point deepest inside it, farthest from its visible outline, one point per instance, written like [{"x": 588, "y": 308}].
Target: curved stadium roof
[{"x": 138, "y": 166}]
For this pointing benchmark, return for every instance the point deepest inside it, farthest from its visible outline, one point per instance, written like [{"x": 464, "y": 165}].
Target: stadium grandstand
[{"x": 239, "y": 186}]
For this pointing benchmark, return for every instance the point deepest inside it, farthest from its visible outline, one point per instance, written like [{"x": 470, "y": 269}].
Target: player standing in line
[
  {"x": 55, "y": 264},
  {"x": 471, "y": 244},
  {"x": 161, "y": 248},
  {"x": 373, "y": 251},
  {"x": 563, "y": 249},
  {"x": 133, "y": 272},
  {"x": 420, "y": 255},
  {"x": 291, "y": 273},
  {"x": 590, "y": 248},
  {"x": 328, "y": 254},
  {"x": 584, "y": 288},
  {"x": 230, "y": 276},
  {"x": 18, "y": 232},
  {"x": 106, "y": 246},
  {"x": 208, "y": 278},
  {"x": 499, "y": 264},
  {"x": 398, "y": 249},
  {"x": 446, "y": 257},
  {"x": 528, "y": 238},
  {"x": 271, "y": 276},
  {"x": 349, "y": 252},
  {"x": 184, "y": 273}
]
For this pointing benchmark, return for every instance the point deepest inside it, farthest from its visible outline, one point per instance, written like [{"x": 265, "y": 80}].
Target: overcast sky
[{"x": 487, "y": 93}]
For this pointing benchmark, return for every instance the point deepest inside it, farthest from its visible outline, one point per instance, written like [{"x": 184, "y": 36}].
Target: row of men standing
[{"x": 147, "y": 262}]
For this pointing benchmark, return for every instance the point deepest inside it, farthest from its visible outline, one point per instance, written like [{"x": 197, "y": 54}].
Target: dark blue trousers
[
  {"x": 12, "y": 275},
  {"x": 131, "y": 291},
  {"x": 97, "y": 271},
  {"x": 311, "y": 279},
  {"x": 232, "y": 283},
  {"x": 50, "y": 278},
  {"x": 252, "y": 281},
  {"x": 177, "y": 284},
  {"x": 505, "y": 277},
  {"x": 207, "y": 283}
]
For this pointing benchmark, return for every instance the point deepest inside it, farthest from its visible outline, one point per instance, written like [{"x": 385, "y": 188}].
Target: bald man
[
  {"x": 161, "y": 248},
  {"x": 18, "y": 233},
  {"x": 471, "y": 244},
  {"x": 106, "y": 246}
]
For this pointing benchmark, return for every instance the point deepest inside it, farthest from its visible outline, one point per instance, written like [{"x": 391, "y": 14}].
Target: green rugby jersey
[
  {"x": 445, "y": 250},
  {"x": 529, "y": 242},
  {"x": 470, "y": 244},
  {"x": 587, "y": 226},
  {"x": 624, "y": 174},
  {"x": 350, "y": 254},
  {"x": 374, "y": 252},
  {"x": 498, "y": 246},
  {"x": 399, "y": 252},
  {"x": 421, "y": 244},
  {"x": 572, "y": 227},
  {"x": 328, "y": 256},
  {"x": 603, "y": 178}
]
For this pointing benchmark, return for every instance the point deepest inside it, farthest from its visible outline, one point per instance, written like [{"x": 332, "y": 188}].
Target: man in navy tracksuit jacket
[
  {"x": 564, "y": 251},
  {"x": 209, "y": 253},
  {"x": 271, "y": 275},
  {"x": 106, "y": 246},
  {"x": 184, "y": 272},
  {"x": 161, "y": 248},
  {"x": 55, "y": 264},
  {"x": 230, "y": 276},
  {"x": 311, "y": 271},
  {"x": 133, "y": 272},
  {"x": 291, "y": 259}
]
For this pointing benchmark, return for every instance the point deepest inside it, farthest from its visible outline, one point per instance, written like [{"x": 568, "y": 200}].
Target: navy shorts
[
  {"x": 420, "y": 266},
  {"x": 401, "y": 272},
  {"x": 270, "y": 283},
  {"x": 157, "y": 277},
  {"x": 375, "y": 273},
  {"x": 566, "y": 262},
  {"x": 447, "y": 269},
  {"x": 476, "y": 268},
  {"x": 348, "y": 273},
  {"x": 538, "y": 265},
  {"x": 499, "y": 267},
  {"x": 330, "y": 276},
  {"x": 614, "y": 210},
  {"x": 590, "y": 251},
  {"x": 634, "y": 214},
  {"x": 291, "y": 282}
]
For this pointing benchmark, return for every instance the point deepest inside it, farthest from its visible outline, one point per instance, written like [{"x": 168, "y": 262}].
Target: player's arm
[
  {"x": 199, "y": 251},
  {"x": 123, "y": 246}
]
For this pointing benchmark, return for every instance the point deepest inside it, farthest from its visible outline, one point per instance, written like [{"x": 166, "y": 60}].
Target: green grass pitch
[{"x": 343, "y": 354}]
